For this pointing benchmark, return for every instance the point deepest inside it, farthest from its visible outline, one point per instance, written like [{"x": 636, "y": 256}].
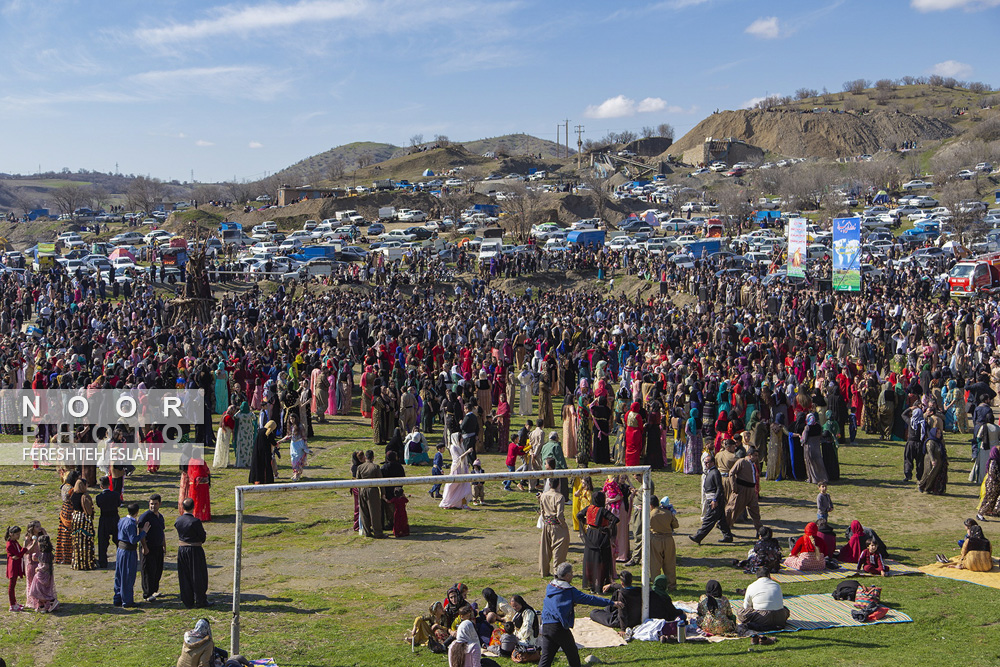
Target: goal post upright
[{"x": 242, "y": 491}]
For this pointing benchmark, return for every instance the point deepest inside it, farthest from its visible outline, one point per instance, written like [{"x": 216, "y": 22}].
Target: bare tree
[
  {"x": 886, "y": 85},
  {"x": 964, "y": 222},
  {"x": 70, "y": 197},
  {"x": 626, "y": 137},
  {"x": 454, "y": 203},
  {"x": 856, "y": 86},
  {"x": 736, "y": 202},
  {"x": 143, "y": 192},
  {"x": 442, "y": 140},
  {"x": 206, "y": 192},
  {"x": 805, "y": 93},
  {"x": 522, "y": 207},
  {"x": 416, "y": 140},
  {"x": 365, "y": 158},
  {"x": 598, "y": 192},
  {"x": 335, "y": 168},
  {"x": 977, "y": 87},
  {"x": 665, "y": 130},
  {"x": 99, "y": 197},
  {"x": 25, "y": 200},
  {"x": 239, "y": 192},
  {"x": 648, "y": 132}
]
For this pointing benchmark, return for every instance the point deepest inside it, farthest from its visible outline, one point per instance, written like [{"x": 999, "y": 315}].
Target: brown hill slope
[{"x": 807, "y": 134}]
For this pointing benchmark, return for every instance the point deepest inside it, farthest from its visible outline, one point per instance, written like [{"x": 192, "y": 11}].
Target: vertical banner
[
  {"x": 797, "y": 247},
  {"x": 847, "y": 254}
]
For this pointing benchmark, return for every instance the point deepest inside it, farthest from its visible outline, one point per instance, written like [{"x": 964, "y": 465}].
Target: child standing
[
  {"x": 437, "y": 468},
  {"x": 15, "y": 563},
  {"x": 42, "y": 590},
  {"x": 513, "y": 451},
  {"x": 823, "y": 503},
  {"x": 478, "y": 488},
  {"x": 400, "y": 521}
]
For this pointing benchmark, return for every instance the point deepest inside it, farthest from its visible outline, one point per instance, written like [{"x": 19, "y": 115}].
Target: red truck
[{"x": 979, "y": 275}]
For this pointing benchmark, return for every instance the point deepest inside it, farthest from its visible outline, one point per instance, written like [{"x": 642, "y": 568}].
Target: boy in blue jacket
[{"x": 558, "y": 616}]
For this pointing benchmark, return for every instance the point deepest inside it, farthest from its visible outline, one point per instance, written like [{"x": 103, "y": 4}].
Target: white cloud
[
  {"x": 752, "y": 102},
  {"x": 951, "y": 68},
  {"x": 651, "y": 104},
  {"x": 233, "y": 19},
  {"x": 257, "y": 83},
  {"x": 620, "y": 106},
  {"x": 942, "y": 5},
  {"x": 203, "y": 143},
  {"x": 256, "y": 144},
  {"x": 765, "y": 28}
]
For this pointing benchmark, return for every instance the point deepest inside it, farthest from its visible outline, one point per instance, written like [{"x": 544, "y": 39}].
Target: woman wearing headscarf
[
  {"x": 812, "y": 449},
  {"x": 395, "y": 444},
  {"x": 265, "y": 447},
  {"x": 526, "y": 623},
  {"x": 935, "y": 479},
  {"x": 584, "y": 431},
  {"x": 466, "y": 650},
  {"x": 809, "y": 553},
  {"x": 244, "y": 435},
  {"x": 224, "y": 438},
  {"x": 199, "y": 649},
  {"x": 367, "y": 380},
  {"x": 84, "y": 557},
  {"x": 634, "y": 433},
  {"x": 990, "y": 503},
  {"x": 694, "y": 445},
  {"x": 715, "y": 613},
  {"x": 851, "y": 552},
  {"x": 777, "y": 450},
  {"x": 600, "y": 528},
  {"x": 829, "y": 445},
  {"x": 221, "y": 388},
  {"x": 345, "y": 387},
  {"x": 653, "y": 430},
  {"x": 913, "y": 451},
  {"x": 660, "y": 604},
  {"x": 602, "y": 416}
]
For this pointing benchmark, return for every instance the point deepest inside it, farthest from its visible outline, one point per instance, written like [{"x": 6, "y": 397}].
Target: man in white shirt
[{"x": 763, "y": 606}]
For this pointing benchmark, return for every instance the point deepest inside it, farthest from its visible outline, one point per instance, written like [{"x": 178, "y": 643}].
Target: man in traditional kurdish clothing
[{"x": 744, "y": 478}]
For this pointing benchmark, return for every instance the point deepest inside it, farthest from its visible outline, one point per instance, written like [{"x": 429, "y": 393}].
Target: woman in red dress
[
  {"x": 634, "y": 425},
  {"x": 200, "y": 480}
]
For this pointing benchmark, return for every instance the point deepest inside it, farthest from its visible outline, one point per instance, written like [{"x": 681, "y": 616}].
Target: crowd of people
[{"x": 744, "y": 386}]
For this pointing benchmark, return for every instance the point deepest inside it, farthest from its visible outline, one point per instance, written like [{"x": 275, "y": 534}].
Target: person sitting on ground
[
  {"x": 715, "y": 614},
  {"x": 466, "y": 650},
  {"x": 871, "y": 561},
  {"x": 415, "y": 448},
  {"x": 616, "y": 617},
  {"x": 431, "y": 627},
  {"x": 809, "y": 553},
  {"x": 525, "y": 621},
  {"x": 857, "y": 537},
  {"x": 827, "y": 535},
  {"x": 766, "y": 552},
  {"x": 763, "y": 606},
  {"x": 497, "y": 607},
  {"x": 977, "y": 552},
  {"x": 660, "y": 604},
  {"x": 199, "y": 650}
]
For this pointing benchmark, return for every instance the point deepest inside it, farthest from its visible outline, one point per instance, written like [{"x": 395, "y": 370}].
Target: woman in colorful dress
[
  {"x": 601, "y": 525},
  {"x": 64, "y": 534},
  {"x": 367, "y": 380},
  {"x": 617, "y": 504},
  {"x": 84, "y": 557},
  {"x": 224, "y": 439},
  {"x": 42, "y": 587},
  {"x": 221, "y": 388},
  {"x": 634, "y": 434},
  {"x": 694, "y": 446},
  {"x": 715, "y": 614},
  {"x": 345, "y": 387},
  {"x": 584, "y": 430},
  {"x": 200, "y": 481},
  {"x": 244, "y": 435}
]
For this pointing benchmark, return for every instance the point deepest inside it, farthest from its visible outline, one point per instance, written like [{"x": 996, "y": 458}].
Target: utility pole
[
  {"x": 557, "y": 139},
  {"x": 567, "y": 138},
  {"x": 579, "y": 144}
]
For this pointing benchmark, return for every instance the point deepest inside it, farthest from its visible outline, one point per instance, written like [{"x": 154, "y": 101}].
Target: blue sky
[{"x": 245, "y": 88}]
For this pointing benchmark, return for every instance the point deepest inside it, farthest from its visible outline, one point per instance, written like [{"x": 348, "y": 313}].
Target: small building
[
  {"x": 729, "y": 150},
  {"x": 289, "y": 195}
]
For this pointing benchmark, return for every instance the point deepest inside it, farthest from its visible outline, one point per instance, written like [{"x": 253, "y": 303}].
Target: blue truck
[
  {"x": 309, "y": 252},
  {"x": 586, "y": 237},
  {"x": 700, "y": 249}
]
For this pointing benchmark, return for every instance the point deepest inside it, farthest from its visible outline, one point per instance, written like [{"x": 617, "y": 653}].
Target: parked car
[{"x": 917, "y": 184}]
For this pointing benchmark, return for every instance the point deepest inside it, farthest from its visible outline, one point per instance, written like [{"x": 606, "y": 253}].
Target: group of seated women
[{"x": 458, "y": 624}]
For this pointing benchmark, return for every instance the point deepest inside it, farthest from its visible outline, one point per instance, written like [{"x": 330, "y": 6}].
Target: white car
[
  {"x": 156, "y": 235},
  {"x": 290, "y": 244},
  {"x": 412, "y": 216},
  {"x": 917, "y": 184},
  {"x": 967, "y": 174},
  {"x": 621, "y": 243},
  {"x": 127, "y": 238},
  {"x": 302, "y": 235},
  {"x": 588, "y": 223},
  {"x": 683, "y": 261},
  {"x": 264, "y": 246},
  {"x": 555, "y": 245},
  {"x": 718, "y": 166},
  {"x": 122, "y": 263}
]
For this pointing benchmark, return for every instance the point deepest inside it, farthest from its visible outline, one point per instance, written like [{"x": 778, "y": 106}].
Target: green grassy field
[{"x": 315, "y": 593}]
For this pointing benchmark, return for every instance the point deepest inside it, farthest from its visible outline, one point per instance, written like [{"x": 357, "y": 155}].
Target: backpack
[
  {"x": 868, "y": 595},
  {"x": 846, "y": 590}
]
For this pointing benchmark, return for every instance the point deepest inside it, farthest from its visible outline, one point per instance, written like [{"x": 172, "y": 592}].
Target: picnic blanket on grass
[
  {"x": 991, "y": 578},
  {"x": 266, "y": 662},
  {"x": 821, "y": 611},
  {"x": 589, "y": 634},
  {"x": 789, "y": 576}
]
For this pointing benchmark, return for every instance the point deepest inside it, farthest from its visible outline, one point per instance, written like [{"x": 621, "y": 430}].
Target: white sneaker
[{"x": 17, "y": 607}]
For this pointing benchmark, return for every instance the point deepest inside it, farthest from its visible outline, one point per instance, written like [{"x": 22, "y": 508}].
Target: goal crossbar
[{"x": 242, "y": 491}]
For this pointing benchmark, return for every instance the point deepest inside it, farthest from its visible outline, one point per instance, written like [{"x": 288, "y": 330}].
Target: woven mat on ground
[
  {"x": 788, "y": 576},
  {"x": 594, "y": 635},
  {"x": 266, "y": 662},
  {"x": 991, "y": 578},
  {"x": 821, "y": 611}
]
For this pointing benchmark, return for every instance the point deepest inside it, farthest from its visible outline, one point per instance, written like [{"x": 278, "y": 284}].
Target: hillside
[
  {"x": 807, "y": 134},
  {"x": 519, "y": 144},
  {"x": 341, "y": 158}
]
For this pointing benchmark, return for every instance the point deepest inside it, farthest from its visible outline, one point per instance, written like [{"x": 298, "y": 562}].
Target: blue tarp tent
[
  {"x": 428, "y": 172},
  {"x": 882, "y": 197}
]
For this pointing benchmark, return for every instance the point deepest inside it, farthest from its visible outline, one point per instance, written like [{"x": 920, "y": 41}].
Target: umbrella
[{"x": 121, "y": 252}]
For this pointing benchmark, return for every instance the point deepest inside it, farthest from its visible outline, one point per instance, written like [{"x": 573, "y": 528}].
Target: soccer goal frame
[{"x": 243, "y": 491}]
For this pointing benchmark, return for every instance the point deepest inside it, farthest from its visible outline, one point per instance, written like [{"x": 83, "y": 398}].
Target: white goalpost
[{"x": 242, "y": 491}]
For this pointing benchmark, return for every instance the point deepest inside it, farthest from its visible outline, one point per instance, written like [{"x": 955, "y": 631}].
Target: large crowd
[{"x": 743, "y": 383}]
